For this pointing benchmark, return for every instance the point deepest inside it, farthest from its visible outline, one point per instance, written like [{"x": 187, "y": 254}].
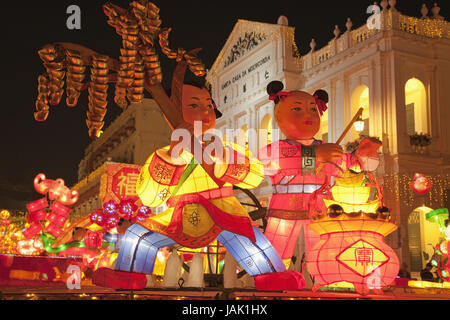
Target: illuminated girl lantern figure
[
  {"x": 300, "y": 167},
  {"x": 201, "y": 204}
]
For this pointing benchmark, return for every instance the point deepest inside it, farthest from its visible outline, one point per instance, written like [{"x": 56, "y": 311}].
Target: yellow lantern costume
[{"x": 200, "y": 210}]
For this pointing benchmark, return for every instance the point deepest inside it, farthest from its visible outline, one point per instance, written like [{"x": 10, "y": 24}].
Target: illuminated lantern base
[
  {"x": 106, "y": 277},
  {"x": 354, "y": 251}
]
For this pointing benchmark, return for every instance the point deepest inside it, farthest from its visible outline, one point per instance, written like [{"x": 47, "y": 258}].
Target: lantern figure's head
[
  {"x": 198, "y": 106},
  {"x": 297, "y": 113}
]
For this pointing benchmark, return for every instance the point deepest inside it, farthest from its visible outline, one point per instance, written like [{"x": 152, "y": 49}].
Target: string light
[{"x": 397, "y": 185}]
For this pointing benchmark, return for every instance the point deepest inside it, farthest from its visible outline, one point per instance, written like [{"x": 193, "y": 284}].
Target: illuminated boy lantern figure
[
  {"x": 351, "y": 246},
  {"x": 201, "y": 204},
  {"x": 300, "y": 167}
]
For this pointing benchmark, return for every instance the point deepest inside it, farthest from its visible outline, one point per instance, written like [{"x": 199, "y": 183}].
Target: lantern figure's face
[
  {"x": 197, "y": 106},
  {"x": 297, "y": 116}
]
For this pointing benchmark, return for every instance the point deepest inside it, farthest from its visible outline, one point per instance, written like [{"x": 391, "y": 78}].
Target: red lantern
[
  {"x": 37, "y": 216},
  {"x": 54, "y": 230},
  {"x": 353, "y": 250},
  {"x": 93, "y": 239},
  {"x": 33, "y": 230},
  {"x": 420, "y": 184},
  {"x": 37, "y": 205},
  {"x": 57, "y": 219},
  {"x": 59, "y": 209}
]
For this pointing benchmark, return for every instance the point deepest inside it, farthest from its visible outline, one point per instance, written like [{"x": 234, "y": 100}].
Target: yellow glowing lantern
[
  {"x": 4, "y": 215},
  {"x": 359, "y": 125}
]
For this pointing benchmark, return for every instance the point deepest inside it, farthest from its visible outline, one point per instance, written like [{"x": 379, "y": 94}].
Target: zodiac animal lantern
[
  {"x": 55, "y": 189},
  {"x": 49, "y": 218}
]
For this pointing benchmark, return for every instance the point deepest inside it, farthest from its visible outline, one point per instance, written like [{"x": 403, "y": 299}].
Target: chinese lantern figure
[
  {"x": 351, "y": 246},
  {"x": 420, "y": 184},
  {"x": 201, "y": 206},
  {"x": 300, "y": 167}
]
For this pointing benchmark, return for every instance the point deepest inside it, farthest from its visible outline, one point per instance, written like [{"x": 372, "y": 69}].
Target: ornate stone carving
[
  {"x": 424, "y": 11},
  {"x": 393, "y": 3},
  {"x": 435, "y": 10},
  {"x": 312, "y": 44},
  {"x": 349, "y": 24},
  {"x": 336, "y": 31},
  {"x": 243, "y": 45}
]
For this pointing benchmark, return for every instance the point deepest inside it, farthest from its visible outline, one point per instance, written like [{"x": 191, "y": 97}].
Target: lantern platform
[{"x": 91, "y": 292}]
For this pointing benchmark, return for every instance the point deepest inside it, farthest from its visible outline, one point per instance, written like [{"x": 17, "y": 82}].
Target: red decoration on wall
[
  {"x": 118, "y": 183},
  {"x": 420, "y": 184}
]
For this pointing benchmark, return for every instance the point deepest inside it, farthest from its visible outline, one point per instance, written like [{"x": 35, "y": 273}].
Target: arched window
[
  {"x": 360, "y": 99},
  {"x": 265, "y": 131},
  {"x": 416, "y": 107},
  {"x": 422, "y": 236}
]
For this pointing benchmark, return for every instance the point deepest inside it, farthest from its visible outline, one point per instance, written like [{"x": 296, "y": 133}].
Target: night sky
[{"x": 56, "y": 146}]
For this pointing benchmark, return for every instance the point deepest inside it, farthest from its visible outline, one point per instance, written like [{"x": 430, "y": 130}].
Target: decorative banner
[{"x": 118, "y": 183}]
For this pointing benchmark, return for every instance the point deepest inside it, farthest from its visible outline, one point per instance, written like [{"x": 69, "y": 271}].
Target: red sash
[{"x": 226, "y": 221}]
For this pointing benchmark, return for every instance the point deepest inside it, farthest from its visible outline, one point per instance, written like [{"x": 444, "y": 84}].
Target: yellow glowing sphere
[{"x": 4, "y": 214}]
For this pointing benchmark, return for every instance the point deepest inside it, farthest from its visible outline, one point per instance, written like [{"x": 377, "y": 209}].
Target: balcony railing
[{"x": 388, "y": 20}]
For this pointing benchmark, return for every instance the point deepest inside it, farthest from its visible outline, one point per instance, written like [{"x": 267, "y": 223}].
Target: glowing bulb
[{"x": 359, "y": 125}]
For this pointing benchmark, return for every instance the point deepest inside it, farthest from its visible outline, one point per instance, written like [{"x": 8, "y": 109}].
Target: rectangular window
[{"x": 410, "y": 126}]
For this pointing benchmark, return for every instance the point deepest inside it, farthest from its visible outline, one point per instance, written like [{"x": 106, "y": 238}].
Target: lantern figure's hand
[
  {"x": 367, "y": 154},
  {"x": 329, "y": 152}
]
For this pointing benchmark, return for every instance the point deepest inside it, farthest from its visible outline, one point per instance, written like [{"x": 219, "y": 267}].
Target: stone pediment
[{"x": 245, "y": 38}]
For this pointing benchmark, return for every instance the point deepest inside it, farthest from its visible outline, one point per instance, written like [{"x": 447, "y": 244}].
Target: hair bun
[
  {"x": 322, "y": 95},
  {"x": 274, "y": 87}
]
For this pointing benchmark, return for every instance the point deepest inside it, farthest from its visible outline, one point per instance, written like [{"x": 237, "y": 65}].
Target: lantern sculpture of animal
[
  {"x": 56, "y": 190},
  {"x": 53, "y": 213},
  {"x": 351, "y": 247}
]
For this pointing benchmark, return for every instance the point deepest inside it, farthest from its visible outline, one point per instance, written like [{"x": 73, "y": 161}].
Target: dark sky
[{"x": 56, "y": 146}]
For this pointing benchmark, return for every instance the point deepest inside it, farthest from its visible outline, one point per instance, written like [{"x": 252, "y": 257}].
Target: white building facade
[{"x": 397, "y": 71}]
